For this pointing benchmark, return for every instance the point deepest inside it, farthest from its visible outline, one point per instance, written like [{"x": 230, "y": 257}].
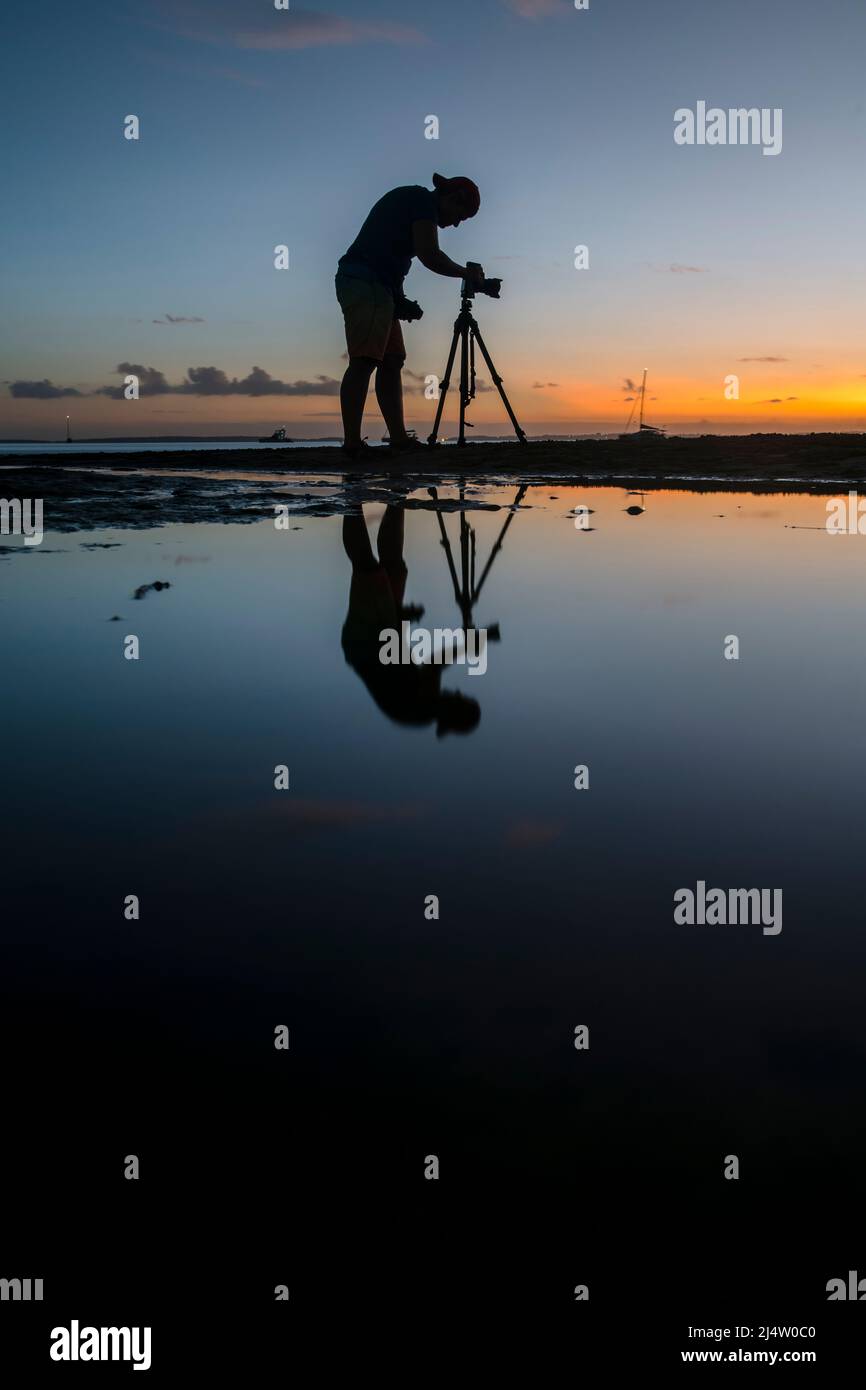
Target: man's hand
[
  {"x": 407, "y": 309},
  {"x": 475, "y": 275}
]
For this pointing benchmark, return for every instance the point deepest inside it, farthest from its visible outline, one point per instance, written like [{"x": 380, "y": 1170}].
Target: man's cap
[{"x": 463, "y": 189}]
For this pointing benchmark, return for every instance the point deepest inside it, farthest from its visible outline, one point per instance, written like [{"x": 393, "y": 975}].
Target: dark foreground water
[{"x": 454, "y": 1037}]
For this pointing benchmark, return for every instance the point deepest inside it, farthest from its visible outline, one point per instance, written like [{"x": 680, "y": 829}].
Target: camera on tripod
[
  {"x": 466, "y": 335},
  {"x": 491, "y": 287}
]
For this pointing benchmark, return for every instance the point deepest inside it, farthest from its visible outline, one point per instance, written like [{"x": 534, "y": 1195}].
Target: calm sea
[
  {"x": 158, "y": 446},
  {"x": 450, "y": 1034}
]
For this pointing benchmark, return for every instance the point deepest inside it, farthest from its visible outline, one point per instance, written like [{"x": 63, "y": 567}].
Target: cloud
[
  {"x": 677, "y": 268},
  {"x": 150, "y": 382},
  {"x": 534, "y": 9},
  {"x": 40, "y": 390},
  {"x": 417, "y": 377},
  {"x": 543, "y": 385},
  {"x": 310, "y": 30},
  {"x": 220, "y": 22},
  {"x": 629, "y": 385},
  {"x": 420, "y": 382},
  {"x": 199, "y": 381},
  {"x": 763, "y": 359},
  {"x": 213, "y": 381},
  {"x": 208, "y": 381},
  {"x": 178, "y": 318}
]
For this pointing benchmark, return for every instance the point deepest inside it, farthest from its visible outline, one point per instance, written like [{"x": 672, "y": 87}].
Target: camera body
[
  {"x": 487, "y": 286},
  {"x": 407, "y": 309}
]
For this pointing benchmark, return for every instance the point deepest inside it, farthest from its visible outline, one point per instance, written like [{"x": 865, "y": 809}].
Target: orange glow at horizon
[{"x": 568, "y": 406}]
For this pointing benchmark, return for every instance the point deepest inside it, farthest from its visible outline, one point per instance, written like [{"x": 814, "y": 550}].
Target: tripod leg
[
  {"x": 472, "y": 366},
  {"x": 465, "y": 531},
  {"x": 521, "y": 434},
  {"x": 464, "y": 382},
  {"x": 447, "y": 545},
  {"x": 443, "y": 387},
  {"x": 521, "y": 493}
]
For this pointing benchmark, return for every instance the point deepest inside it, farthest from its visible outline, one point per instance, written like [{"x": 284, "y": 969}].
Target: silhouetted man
[
  {"x": 409, "y": 694},
  {"x": 369, "y": 285}
]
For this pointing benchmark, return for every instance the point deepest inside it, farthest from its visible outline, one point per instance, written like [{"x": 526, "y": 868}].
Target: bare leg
[
  {"x": 356, "y": 543},
  {"x": 353, "y": 397},
  {"x": 390, "y": 538},
  {"x": 389, "y": 394}
]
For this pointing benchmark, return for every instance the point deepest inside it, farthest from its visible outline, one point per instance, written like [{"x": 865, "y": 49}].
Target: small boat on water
[
  {"x": 278, "y": 437},
  {"x": 643, "y": 431}
]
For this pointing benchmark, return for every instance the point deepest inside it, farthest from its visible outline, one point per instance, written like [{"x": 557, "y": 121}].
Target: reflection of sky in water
[{"x": 555, "y": 904}]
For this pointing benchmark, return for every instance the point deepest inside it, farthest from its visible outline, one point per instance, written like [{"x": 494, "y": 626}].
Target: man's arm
[{"x": 425, "y": 241}]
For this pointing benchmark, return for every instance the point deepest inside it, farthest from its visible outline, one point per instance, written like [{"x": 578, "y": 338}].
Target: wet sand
[
  {"x": 93, "y": 491},
  {"x": 760, "y": 458}
]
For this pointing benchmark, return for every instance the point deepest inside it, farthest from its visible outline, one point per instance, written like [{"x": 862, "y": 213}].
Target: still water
[
  {"x": 414, "y": 1035},
  {"x": 135, "y": 446}
]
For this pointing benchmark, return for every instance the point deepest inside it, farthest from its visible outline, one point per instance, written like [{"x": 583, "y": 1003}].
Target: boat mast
[
  {"x": 642, "y": 398},
  {"x": 68, "y": 435}
]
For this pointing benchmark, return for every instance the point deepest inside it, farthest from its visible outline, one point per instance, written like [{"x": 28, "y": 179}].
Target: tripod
[
  {"x": 466, "y": 590},
  {"x": 467, "y": 333}
]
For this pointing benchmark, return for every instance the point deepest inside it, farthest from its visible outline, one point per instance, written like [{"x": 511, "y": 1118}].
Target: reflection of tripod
[
  {"x": 466, "y": 332},
  {"x": 466, "y": 591}
]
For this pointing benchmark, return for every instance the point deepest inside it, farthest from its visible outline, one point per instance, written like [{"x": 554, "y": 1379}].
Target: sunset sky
[{"x": 261, "y": 126}]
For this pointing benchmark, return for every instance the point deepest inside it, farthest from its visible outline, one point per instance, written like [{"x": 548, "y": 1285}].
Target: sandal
[{"x": 356, "y": 451}]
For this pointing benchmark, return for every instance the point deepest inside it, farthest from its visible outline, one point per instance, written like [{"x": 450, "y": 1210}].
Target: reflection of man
[
  {"x": 369, "y": 286},
  {"x": 408, "y": 694}
]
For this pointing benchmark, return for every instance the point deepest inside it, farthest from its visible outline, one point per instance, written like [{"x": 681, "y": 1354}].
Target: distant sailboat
[
  {"x": 643, "y": 431},
  {"x": 278, "y": 437},
  {"x": 634, "y": 509}
]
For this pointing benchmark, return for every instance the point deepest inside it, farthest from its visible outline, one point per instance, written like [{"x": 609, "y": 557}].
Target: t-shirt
[{"x": 384, "y": 243}]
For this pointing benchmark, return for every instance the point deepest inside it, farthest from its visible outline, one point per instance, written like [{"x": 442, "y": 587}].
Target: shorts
[
  {"x": 375, "y": 601},
  {"x": 368, "y": 310}
]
